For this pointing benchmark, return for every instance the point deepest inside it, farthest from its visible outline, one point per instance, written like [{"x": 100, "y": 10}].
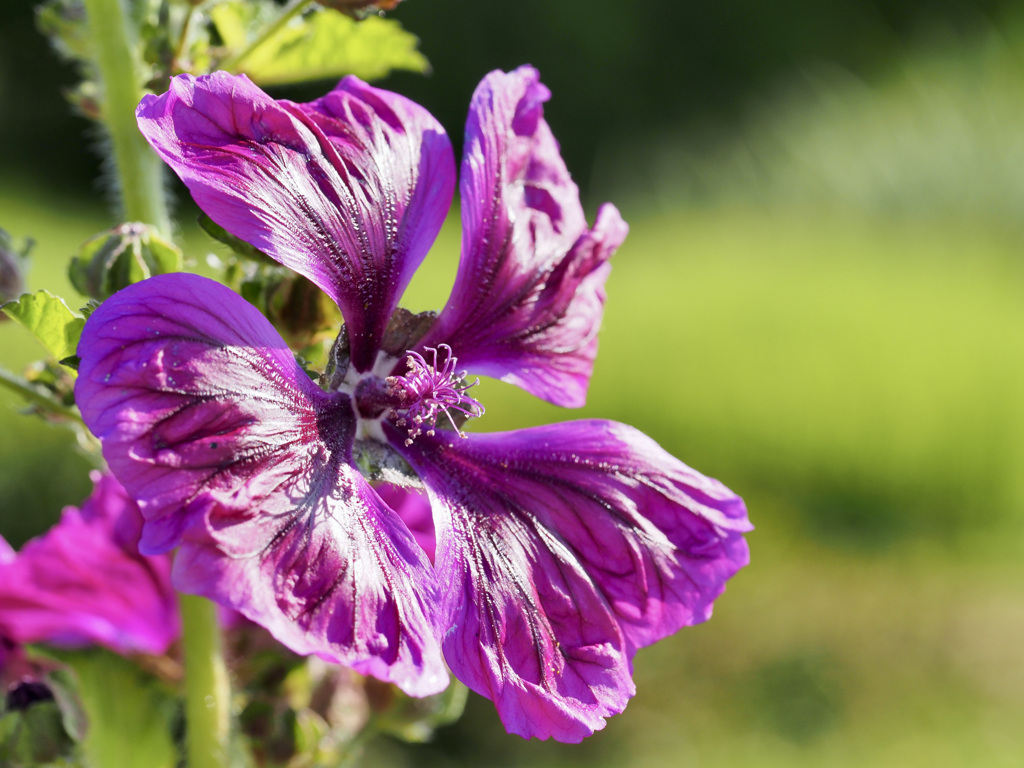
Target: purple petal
[
  {"x": 529, "y": 294},
  {"x": 413, "y": 507},
  {"x": 238, "y": 458},
  {"x": 349, "y": 190},
  {"x": 85, "y": 582},
  {"x": 339, "y": 575},
  {"x": 566, "y": 548},
  {"x": 191, "y": 390}
]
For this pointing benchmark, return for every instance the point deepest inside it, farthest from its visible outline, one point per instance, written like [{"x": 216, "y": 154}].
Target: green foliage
[
  {"x": 64, "y": 22},
  {"x": 130, "y": 714},
  {"x": 415, "y": 720},
  {"x": 50, "y": 320},
  {"x": 272, "y": 44},
  {"x": 323, "y": 44}
]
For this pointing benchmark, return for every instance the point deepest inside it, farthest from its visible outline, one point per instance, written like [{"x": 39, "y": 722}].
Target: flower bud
[
  {"x": 12, "y": 269},
  {"x": 121, "y": 256},
  {"x": 414, "y": 719},
  {"x": 299, "y": 310}
]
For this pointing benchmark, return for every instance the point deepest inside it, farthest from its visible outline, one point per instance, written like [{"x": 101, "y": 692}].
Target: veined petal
[
  {"x": 566, "y": 548},
  {"x": 327, "y": 568},
  {"x": 241, "y": 461},
  {"x": 84, "y": 581},
  {"x": 192, "y": 392},
  {"x": 349, "y": 190},
  {"x": 529, "y": 294}
]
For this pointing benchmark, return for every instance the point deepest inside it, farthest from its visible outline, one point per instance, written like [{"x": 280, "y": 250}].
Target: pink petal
[{"x": 84, "y": 581}]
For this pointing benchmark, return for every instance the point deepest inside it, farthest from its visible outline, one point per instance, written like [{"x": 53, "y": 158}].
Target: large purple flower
[
  {"x": 560, "y": 550},
  {"x": 84, "y": 582}
]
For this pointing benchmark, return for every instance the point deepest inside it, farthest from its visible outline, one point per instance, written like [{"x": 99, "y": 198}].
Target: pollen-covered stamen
[{"x": 429, "y": 389}]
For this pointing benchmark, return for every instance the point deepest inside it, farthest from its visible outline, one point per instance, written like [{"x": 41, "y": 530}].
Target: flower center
[{"x": 430, "y": 389}]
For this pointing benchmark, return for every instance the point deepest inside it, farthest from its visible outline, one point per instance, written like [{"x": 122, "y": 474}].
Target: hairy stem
[
  {"x": 139, "y": 170},
  {"x": 207, "y": 693},
  {"x": 231, "y": 63}
]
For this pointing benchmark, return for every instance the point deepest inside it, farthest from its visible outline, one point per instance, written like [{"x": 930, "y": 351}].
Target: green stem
[
  {"x": 232, "y": 62},
  {"x": 37, "y": 397},
  {"x": 179, "y": 50},
  {"x": 207, "y": 693},
  {"x": 139, "y": 170}
]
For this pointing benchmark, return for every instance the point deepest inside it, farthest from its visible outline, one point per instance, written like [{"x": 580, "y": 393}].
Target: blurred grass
[{"x": 853, "y": 367}]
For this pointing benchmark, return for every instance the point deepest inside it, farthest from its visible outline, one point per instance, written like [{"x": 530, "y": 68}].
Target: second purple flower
[{"x": 560, "y": 550}]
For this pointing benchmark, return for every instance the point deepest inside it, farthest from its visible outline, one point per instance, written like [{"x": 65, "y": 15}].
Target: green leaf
[
  {"x": 130, "y": 715},
  {"x": 50, "y": 320},
  {"x": 322, "y": 44},
  {"x": 234, "y": 21}
]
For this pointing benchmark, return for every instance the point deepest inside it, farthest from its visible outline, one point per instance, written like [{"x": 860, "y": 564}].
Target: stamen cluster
[{"x": 430, "y": 389}]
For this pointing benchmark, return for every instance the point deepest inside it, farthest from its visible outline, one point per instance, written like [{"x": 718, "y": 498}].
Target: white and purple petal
[
  {"x": 238, "y": 459},
  {"x": 349, "y": 190},
  {"x": 529, "y": 294},
  {"x": 566, "y": 548},
  {"x": 84, "y": 582}
]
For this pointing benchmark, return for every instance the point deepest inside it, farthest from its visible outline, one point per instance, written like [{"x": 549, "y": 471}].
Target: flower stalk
[
  {"x": 37, "y": 397},
  {"x": 207, "y": 692},
  {"x": 139, "y": 170}
]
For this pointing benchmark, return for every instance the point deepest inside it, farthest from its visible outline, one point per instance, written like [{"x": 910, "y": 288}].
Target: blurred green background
[{"x": 821, "y": 302}]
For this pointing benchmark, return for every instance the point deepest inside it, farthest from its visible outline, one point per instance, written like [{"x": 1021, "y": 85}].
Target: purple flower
[
  {"x": 560, "y": 550},
  {"x": 84, "y": 582}
]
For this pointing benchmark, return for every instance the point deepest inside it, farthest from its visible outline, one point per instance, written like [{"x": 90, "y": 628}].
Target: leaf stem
[
  {"x": 232, "y": 62},
  {"x": 207, "y": 692},
  {"x": 139, "y": 170},
  {"x": 37, "y": 397}
]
